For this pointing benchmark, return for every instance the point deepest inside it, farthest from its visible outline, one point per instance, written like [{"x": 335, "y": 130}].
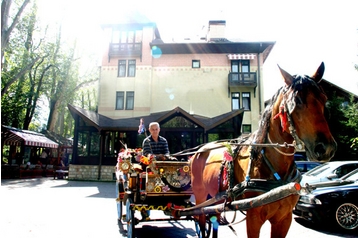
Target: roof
[
  {"x": 327, "y": 85},
  {"x": 104, "y": 123},
  {"x": 62, "y": 141},
  {"x": 207, "y": 48},
  {"x": 14, "y": 136}
]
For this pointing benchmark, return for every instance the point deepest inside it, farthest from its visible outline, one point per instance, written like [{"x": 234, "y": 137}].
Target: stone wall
[{"x": 90, "y": 172}]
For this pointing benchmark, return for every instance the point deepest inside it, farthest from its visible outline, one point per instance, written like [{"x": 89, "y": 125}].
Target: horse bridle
[{"x": 288, "y": 107}]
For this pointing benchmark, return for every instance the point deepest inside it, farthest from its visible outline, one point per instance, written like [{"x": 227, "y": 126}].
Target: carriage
[
  {"x": 166, "y": 186},
  {"x": 256, "y": 174},
  {"x": 160, "y": 185}
]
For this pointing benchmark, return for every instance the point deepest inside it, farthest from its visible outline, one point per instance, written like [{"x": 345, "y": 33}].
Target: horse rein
[{"x": 297, "y": 143}]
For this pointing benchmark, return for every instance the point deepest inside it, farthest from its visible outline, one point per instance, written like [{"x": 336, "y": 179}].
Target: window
[
  {"x": 195, "y": 64},
  {"x": 120, "y": 100},
  {"x": 123, "y": 36},
  {"x": 131, "y": 68},
  {"x": 246, "y": 128},
  {"x": 240, "y": 69},
  {"x": 115, "y": 36},
  {"x": 235, "y": 70},
  {"x": 131, "y": 37},
  {"x": 235, "y": 99},
  {"x": 129, "y": 100},
  {"x": 121, "y": 68},
  {"x": 245, "y": 66},
  {"x": 246, "y": 101}
]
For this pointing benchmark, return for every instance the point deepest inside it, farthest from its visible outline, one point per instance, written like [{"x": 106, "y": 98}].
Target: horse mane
[{"x": 302, "y": 84}]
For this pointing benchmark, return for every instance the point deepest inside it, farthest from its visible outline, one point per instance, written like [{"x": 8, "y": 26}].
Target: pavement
[{"x": 44, "y": 207}]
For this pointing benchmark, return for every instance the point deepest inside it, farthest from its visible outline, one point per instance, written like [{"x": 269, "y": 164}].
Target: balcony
[
  {"x": 125, "y": 49},
  {"x": 242, "y": 79}
]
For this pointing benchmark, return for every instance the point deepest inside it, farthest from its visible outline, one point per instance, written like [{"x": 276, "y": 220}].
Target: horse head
[{"x": 301, "y": 106}]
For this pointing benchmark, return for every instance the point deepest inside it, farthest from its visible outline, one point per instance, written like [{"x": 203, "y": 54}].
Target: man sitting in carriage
[{"x": 155, "y": 144}]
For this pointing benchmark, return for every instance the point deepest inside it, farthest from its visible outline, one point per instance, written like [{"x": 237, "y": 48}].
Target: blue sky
[{"x": 306, "y": 32}]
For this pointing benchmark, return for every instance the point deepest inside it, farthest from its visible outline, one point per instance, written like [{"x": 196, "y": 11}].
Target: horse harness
[{"x": 264, "y": 185}]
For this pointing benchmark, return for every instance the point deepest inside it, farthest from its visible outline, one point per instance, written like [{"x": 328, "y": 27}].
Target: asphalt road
[{"x": 48, "y": 208}]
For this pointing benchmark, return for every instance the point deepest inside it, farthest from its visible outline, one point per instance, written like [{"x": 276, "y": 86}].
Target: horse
[{"x": 295, "y": 116}]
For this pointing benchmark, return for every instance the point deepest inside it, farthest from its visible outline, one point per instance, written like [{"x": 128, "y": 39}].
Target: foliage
[
  {"x": 343, "y": 121},
  {"x": 351, "y": 113},
  {"x": 40, "y": 66}
]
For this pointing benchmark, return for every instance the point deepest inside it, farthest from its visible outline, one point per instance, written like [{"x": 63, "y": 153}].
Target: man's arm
[{"x": 146, "y": 147}]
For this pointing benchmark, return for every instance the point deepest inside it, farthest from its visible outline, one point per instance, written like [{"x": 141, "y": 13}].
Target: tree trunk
[{"x": 5, "y": 30}]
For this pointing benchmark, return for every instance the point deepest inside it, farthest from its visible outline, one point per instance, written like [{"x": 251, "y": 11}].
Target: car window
[
  {"x": 317, "y": 170},
  {"x": 311, "y": 166},
  {"x": 353, "y": 177},
  {"x": 344, "y": 169}
]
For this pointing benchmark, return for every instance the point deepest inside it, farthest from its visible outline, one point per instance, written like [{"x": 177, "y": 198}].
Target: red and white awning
[
  {"x": 28, "y": 138},
  {"x": 241, "y": 56}
]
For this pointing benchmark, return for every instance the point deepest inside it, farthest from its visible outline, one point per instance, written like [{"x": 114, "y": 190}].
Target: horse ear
[
  {"x": 286, "y": 76},
  {"x": 319, "y": 73}
]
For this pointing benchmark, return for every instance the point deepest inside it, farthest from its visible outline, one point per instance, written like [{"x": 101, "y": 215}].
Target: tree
[
  {"x": 6, "y": 30},
  {"x": 343, "y": 121},
  {"x": 36, "y": 66},
  {"x": 351, "y": 113}
]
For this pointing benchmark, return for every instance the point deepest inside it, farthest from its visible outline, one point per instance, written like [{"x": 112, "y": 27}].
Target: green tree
[
  {"x": 351, "y": 113},
  {"x": 343, "y": 124},
  {"x": 38, "y": 66}
]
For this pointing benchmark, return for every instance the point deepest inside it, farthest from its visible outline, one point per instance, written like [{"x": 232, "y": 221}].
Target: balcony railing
[
  {"x": 125, "y": 49},
  {"x": 242, "y": 79}
]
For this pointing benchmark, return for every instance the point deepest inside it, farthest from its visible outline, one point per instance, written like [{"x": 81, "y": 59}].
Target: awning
[
  {"x": 241, "y": 56},
  {"x": 18, "y": 137}
]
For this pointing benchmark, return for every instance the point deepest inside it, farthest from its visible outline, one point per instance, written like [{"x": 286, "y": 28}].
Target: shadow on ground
[
  {"x": 326, "y": 228},
  {"x": 169, "y": 230}
]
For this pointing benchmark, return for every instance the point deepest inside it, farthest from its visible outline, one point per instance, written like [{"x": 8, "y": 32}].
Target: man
[
  {"x": 155, "y": 144},
  {"x": 44, "y": 156}
]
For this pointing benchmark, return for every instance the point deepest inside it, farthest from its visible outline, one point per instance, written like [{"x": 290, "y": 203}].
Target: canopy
[
  {"x": 13, "y": 136},
  {"x": 241, "y": 56}
]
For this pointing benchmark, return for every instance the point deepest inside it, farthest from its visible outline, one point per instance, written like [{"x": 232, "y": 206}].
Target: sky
[{"x": 306, "y": 32}]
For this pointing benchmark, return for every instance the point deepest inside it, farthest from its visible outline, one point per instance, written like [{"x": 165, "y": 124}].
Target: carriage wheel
[
  {"x": 130, "y": 219},
  {"x": 207, "y": 228},
  {"x": 120, "y": 210}
]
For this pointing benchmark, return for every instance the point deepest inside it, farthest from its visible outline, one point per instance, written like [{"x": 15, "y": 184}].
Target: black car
[{"x": 333, "y": 201}]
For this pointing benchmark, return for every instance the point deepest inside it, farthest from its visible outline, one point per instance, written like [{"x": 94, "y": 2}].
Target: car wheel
[{"x": 347, "y": 216}]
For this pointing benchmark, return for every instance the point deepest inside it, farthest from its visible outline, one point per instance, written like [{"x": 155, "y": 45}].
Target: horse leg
[
  {"x": 253, "y": 223},
  {"x": 280, "y": 229}
]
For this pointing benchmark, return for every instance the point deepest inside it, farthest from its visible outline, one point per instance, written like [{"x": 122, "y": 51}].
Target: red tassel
[{"x": 283, "y": 117}]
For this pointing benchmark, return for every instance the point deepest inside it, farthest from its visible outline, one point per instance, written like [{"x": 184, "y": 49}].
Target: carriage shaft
[{"x": 248, "y": 203}]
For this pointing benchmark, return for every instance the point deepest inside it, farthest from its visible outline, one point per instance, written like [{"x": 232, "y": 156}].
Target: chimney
[{"x": 216, "y": 31}]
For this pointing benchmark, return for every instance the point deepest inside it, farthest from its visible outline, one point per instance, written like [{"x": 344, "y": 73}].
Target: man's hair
[{"x": 154, "y": 124}]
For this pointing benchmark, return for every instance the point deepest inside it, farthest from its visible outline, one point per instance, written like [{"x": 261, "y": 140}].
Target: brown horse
[{"x": 295, "y": 116}]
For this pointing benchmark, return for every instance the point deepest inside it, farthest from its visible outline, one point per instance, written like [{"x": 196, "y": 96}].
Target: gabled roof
[
  {"x": 104, "y": 123},
  {"x": 340, "y": 91}
]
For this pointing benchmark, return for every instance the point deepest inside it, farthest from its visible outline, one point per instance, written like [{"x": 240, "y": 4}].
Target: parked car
[
  {"x": 305, "y": 166},
  {"x": 333, "y": 201},
  {"x": 300, "y": 157},
  {"x": 328, "y": 171}
]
